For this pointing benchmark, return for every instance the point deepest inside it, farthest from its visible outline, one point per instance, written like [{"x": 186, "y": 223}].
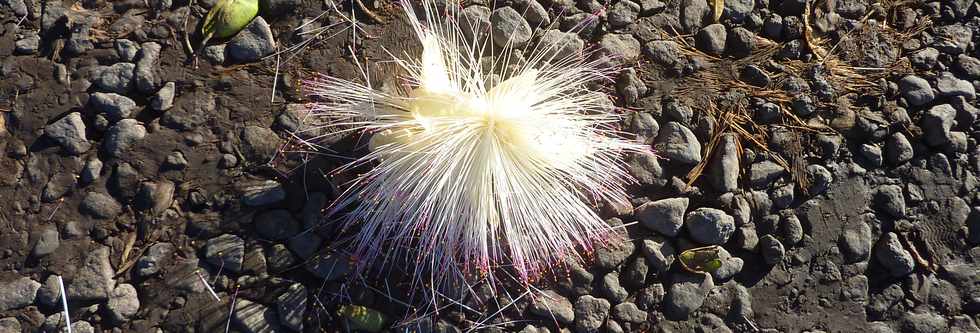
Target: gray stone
[
  {"x": 746, "y": 238},
  {"x": 660, "y": 254},
  {"x": 94, "y": 279},
  {"x": 725, "y": 168},
  {"x": 48, "y": 240},
  {"x": 926, "y": 322},
  {"x": 644, "y": 126},
  {"x": 646, "y": 169},
  {"x": 924, "y": 58},
  {"x": 10, "y": 325},
  {"x": 114, "y": 106},
  {"x": 622, "y": 14},
  {"x": 773, "y": 26},
  {"x": 710, "y": 226},
  {"x": 665, "y": 216},
  {"x": 155, "y": 197},
  {"x": 937, "y": 123},
  {"x": 898, "y": 149},
  {"x": 261, "y": 193},
  {"x": 146, "y": 74},
  {"x": 508, "y": 28},
  {"x": 554, "y": 306},
  {"x": 19, "y": 8},
  {"x": 693, "y": 14},
  {"x": 856, "y": 241},
  {"x": 291, "y": 307},
  {"x": 253, "y": 43},
  {"x": 738, "y": 10},
  {"x": 163, "y": 100},
  {"x": 764, "y": 173},
  {"x": 215, "y": 54},
  {"x": 91, "y": 171},
  {"x": 820, "y": 178},
  {"x": 782, "y": 196},
  {"x": 729, "y": 265},
  {"x": 27, "y": 44},
  {"x": 678, "y": 144},
  {"x": 590, "y": 313},
  {"x": 629, "y": 312},
  {"x": 279, "y": 259},
  {"x": 276, "y": 224},
  {"x": 952, "y": 38},
  {"x": 18, "y": 293},
  {"x": 613, "y": 254},
  {"x": 973, "y": 226},
  {"x": 556, "y": 46},
  {"x": 872, "y": 154},
  {"x": 69, "y": 133},
  {"x": 117, "y": 78},
  {"x": 790, "y": 228},
  {"x": 772, "y": 250},
  {"x": 740, "y": 42},
  {"x": 123, "y": 303},
  {"x": 686, "y": 294},
  {"x": 611, "y": 288},
  {"x": 650, "y": 296},
  {"x": 666, "y": 53},
  {"x": 893, "y": 256},
  {"x": 617, "y": 49},
  {"x": 631, "y": 87},
  {"x": 474, "y": 22},
  {"x": 126, "y": 49},
  {"x": 100, "y": 205},
  {"x": 251, "y": 317},
  {"x": 949, "y": 85},
  {"x": 122, "y": 136},
  {"x": 916, "y": 90},
  {"x": 889, "y": 199},
  {"x": 968, "y": 65},
  {"x": 50, "y": 293},
  {"x": 226, "y": 252},
  {"x": 329, "y": 267},
  {"x": 57, "y": 186},
  {"x": 711, "y": 39},
  {"x": 259, "y": 144},
  {"x": 153, "y": 260}
]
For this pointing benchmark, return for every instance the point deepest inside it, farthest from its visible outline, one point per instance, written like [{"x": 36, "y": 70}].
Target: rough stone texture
[
  {"x": 122, "y": 136},
  {"x": 552, "y": 305},
  {"x": 725, "y": 168},
  {"x": 100, "y": 205},
  {"x": 291, "y": 307},
  {"x": 123, "y": 303},
  {"x": 94, "y": 279},
  {"x": 117, "y": 78},
  {"x": 916, "y": 90},
  {"x": 225, "y": 251},
  {"x": 508, "y": 28},
  {"x": 18, "y": 293},
  {"x": 69, "y": 132},
  {"x": 937, "y": 123},
  {"x": 710, "y": 226},
  {"x": 893, "y": 256},
  {"x": 252, "y": 43},
  {"x": 678, "y": 144},
  {"x": 686, "y": 294},
  {"x": 251, "y": 317},
  {"x": 665, "y": 216},
  {"x": 590, "y": 313}
]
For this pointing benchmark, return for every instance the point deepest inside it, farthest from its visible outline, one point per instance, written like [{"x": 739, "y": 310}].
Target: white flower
[{"x": 472, "y": 175}]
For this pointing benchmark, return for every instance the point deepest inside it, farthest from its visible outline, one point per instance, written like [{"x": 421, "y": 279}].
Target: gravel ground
[{"x": 830, "y": 148}]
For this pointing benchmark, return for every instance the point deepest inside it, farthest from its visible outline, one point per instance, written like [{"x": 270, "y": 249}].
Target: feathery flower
[{"x": 476, "y": 167}]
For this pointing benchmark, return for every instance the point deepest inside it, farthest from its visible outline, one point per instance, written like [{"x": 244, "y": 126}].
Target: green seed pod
[
  {"x": 361, "y": 318},
  {"x": 228, "y": 17}
]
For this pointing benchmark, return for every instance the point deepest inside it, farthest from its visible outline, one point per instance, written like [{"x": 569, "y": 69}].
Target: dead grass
[{"x": 719, "y": 94}]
